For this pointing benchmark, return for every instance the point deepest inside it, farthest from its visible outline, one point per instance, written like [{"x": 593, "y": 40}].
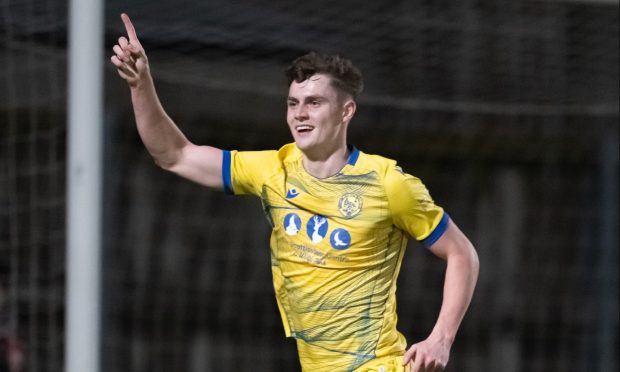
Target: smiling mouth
[{"x": 304, "y": 128}]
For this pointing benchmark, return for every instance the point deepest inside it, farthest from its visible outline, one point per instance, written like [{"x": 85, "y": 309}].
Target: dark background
[{"x": 507, "y": 110}]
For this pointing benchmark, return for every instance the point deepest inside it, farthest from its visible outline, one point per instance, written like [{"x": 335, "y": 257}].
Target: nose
[{"x": 301, "y": 113}]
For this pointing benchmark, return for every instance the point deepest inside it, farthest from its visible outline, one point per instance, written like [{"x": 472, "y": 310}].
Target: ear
[{"x": 348, "y": 109}]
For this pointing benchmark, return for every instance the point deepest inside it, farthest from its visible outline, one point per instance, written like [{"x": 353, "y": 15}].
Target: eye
[
  {"x": 315, "y": 103},
  {"x": 291, "y": 103}
]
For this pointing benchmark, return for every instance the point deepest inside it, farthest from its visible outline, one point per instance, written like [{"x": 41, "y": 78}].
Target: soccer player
[{"x": 340, "y": 218}]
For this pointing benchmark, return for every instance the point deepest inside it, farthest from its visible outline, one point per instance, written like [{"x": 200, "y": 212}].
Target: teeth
[{"x": 304, "y": 127}]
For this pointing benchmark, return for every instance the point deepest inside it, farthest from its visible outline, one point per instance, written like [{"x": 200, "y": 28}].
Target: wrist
[
  {"x": 443, "y": 335},
  {"x": 142, "y": 83}
]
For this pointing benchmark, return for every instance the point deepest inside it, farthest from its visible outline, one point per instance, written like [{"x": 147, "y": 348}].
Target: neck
[{"x": 326, "y": 165}]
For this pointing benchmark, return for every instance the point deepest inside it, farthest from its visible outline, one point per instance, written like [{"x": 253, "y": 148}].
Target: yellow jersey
[{"x": 336, "y": 248}]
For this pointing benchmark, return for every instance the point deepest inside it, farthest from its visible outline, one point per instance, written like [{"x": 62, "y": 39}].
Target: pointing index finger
[{"x": 131, "y": 31}]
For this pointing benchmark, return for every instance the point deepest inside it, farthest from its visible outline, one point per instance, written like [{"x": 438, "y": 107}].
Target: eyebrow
[{"x": 306, "y": 99}]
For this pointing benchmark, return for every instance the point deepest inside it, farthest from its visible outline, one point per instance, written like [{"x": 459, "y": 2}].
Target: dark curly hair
[{"x": 345, "y": 77}]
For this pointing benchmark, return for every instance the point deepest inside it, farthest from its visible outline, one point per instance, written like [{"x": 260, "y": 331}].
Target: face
[{"x": 317, "y": 116}]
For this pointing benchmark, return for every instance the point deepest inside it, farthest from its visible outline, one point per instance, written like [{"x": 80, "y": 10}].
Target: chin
[{"x": 304, "y": 145}]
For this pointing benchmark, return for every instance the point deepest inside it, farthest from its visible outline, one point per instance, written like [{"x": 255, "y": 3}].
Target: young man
[{"x": 340, "y": 219}]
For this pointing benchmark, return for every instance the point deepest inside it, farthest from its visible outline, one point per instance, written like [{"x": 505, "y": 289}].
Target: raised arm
[
  {"x": 433, "y": 353},
  {"x": 168, "y": 146}
]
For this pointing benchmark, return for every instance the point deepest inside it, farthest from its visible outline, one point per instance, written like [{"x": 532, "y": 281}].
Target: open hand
[{"x": 129, "y": 56}]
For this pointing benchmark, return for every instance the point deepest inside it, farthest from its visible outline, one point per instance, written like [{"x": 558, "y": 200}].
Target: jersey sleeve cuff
[
  {"x": 226, "y": 179},
  {"x": 437, "y": 232}
]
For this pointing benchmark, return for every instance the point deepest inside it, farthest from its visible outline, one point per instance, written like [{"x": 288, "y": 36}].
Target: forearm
[
  {"x": 160, "y": 135},
  {"x": 460, "y": 280},
  {"x": 162, "y": 138},
  {"x": 459, "y": 283}
]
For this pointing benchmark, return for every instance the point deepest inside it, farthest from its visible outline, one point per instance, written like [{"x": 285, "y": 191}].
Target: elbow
[
  {"x": 166, "y": 161},
  {"x": 170, "y": 158},
  {"x": 466, "y": 256},
  {"x": 475, "y": 263},
  {"x": 472, "y": 260},
  {"x": 161, "y": 163},
  {"x": 468, "y": 252}
]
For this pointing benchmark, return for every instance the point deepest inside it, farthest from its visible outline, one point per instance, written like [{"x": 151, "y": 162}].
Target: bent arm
[
  {"x": 168, "y": 146},
  {"x": 460, "y": 279},
  {"x": 163, "y": 139}
]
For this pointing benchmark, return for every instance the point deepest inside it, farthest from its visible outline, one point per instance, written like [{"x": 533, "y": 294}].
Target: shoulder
[
  {"x": 245, "y": 172},
  {"x": 388, "y": 169},
  {"x": 268, "y": 158},
  {"x": 288, "y": 153},
  {"x": 397, "y": 183},
  {"x": 377, "y": 163},
  {"x": 261, "y": 164}
]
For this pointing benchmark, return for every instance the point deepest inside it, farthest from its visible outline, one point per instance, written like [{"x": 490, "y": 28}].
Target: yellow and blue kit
[{"x": 336, "y": 248}]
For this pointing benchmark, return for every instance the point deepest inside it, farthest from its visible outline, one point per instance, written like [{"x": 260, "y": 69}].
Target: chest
[{"x": 343, "y": 220}]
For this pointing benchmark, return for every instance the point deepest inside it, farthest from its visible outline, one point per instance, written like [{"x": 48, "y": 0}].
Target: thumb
[
  {"x": 136, "y": 49},
  {"x": 409, "y": 355}
]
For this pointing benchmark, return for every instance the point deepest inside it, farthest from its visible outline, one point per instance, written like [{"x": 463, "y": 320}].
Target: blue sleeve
[
  {"x": 437, "y": 232},
  {"x": 226, "y": 173}
]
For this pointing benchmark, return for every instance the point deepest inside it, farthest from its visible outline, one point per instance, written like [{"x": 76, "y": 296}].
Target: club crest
[{"x": 350, "y": 205}]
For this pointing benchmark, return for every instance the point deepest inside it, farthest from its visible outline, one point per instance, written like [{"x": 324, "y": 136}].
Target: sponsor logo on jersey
[
  {"x": 317, "y": 228},
  {"x": 340, "y": 239},
  {"x": 291, "y": 193},
  {"x": 292, "y": 224},
  {"x": 350, "y": 205}
]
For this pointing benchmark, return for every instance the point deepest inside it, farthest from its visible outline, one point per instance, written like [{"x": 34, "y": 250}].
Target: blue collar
[{"x": 354, "y": 154}]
